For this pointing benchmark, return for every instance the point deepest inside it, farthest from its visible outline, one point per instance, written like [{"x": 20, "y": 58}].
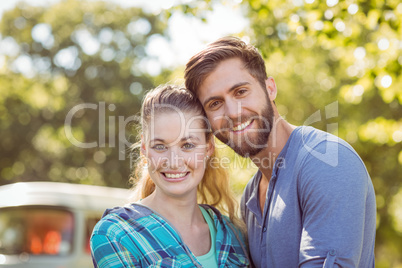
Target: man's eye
[
  {"x": 159, "y": 147},
  {"x": 241, "y": 92},
  {"x": 213, "y": 104},
  {"x": 188, "y": 146}
]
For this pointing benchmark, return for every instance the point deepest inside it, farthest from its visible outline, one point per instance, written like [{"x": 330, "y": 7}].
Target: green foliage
[{"x": 72, "y": 53}]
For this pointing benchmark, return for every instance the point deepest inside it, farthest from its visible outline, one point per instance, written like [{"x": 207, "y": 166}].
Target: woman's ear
[
  {"x": 143, "y": 147},
  {"x": 211, "y": 146}
]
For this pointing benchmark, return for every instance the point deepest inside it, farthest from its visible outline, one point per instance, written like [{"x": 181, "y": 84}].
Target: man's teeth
[
  {"x": 242, "y": 126},
  {"x": 175, "y": 176}
]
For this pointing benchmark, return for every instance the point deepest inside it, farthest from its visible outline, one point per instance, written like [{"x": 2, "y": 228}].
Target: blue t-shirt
[{"x": 320, "y": 206}]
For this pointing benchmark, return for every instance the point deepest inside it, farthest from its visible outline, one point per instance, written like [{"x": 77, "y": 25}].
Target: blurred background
[{"x": 73, "y": 74}]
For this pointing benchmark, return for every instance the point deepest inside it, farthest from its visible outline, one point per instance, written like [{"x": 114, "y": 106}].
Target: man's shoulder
[
  {"x": 326, "y": 155},
  {"x": 317, "y": 143},
  {"x": 312, "y": 136}
]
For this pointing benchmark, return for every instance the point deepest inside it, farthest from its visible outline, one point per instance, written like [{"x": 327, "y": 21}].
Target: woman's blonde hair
[{"x": 214, "y": 188}]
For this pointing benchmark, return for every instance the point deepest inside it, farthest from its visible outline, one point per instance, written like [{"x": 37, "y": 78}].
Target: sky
[{"x": 188, "y": 35}]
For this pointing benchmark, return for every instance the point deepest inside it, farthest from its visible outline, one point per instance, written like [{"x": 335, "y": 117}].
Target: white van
[{"x": 48, "y": 224}]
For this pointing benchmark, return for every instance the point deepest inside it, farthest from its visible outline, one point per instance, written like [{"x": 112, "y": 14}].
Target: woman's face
[{"x": 176, "y": 148}]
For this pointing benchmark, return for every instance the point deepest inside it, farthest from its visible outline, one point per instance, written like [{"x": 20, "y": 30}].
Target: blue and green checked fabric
[{"x": 135, "y": 236}]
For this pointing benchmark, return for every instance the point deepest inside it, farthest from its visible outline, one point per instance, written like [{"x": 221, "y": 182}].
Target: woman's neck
[
  {"x": 186, "y": 217},
  {"x": 180, "y": 212}
]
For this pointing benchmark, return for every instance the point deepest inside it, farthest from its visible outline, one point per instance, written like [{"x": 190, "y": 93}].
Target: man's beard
[{"x": 249, "y": 146}]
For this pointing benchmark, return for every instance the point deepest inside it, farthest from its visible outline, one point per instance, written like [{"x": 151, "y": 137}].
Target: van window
[
  {"x": 90, "y": 224},
  {"x": 36, "y": 230}
]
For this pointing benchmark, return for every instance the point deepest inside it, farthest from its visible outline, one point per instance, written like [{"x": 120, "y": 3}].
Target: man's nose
[{"x": 233, "y": 110}]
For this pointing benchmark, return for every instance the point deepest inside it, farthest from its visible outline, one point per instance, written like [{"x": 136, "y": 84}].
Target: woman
[{"x": 166, "y": 227}]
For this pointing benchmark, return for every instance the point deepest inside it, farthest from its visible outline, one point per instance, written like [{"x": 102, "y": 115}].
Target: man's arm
[{"x": 338, "y": 208}]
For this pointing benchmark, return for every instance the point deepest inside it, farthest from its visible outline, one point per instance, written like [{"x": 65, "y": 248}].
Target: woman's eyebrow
[
  {"x": 190, "y": 137},
  {"x": 157, "y": 139}
]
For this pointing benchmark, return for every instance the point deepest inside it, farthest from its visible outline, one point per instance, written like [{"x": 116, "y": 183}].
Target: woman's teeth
[{"x": 175, "y": 176}]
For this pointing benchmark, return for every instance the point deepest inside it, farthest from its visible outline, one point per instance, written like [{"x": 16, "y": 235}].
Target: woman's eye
[
  {"x": 159, "y": 147},
  {"x": 188, "y": 146}
]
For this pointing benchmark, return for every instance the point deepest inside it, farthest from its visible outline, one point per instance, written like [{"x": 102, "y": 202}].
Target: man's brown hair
[{"x": 205, "y": 61}]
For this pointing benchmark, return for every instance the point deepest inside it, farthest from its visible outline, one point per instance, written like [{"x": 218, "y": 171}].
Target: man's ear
[{"x": 271, "y": 88}]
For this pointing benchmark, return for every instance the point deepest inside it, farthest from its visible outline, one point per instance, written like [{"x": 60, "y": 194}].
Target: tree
[
  {"x": 73, "y": 80},
  {"x": 336, "y": 64}
]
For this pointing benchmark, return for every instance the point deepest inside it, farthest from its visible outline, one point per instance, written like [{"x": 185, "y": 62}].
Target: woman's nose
[{"x": 175, "y": 159}]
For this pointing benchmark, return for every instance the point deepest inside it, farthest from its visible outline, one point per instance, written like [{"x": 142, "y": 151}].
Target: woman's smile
[{"x": 174, "y": 176}]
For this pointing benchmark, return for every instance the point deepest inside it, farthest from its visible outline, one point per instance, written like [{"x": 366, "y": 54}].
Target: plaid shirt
[{"x": 135, "y": 236}]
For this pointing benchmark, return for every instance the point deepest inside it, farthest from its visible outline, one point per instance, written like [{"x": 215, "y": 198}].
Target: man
[{"x": 312, "y": 202}]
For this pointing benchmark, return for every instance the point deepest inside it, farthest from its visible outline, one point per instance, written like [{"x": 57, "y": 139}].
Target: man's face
[{"x": 238, "y": 108}]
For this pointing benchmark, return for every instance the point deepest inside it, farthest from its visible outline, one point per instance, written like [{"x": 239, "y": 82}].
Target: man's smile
[{"x": 243, "y": 126}]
